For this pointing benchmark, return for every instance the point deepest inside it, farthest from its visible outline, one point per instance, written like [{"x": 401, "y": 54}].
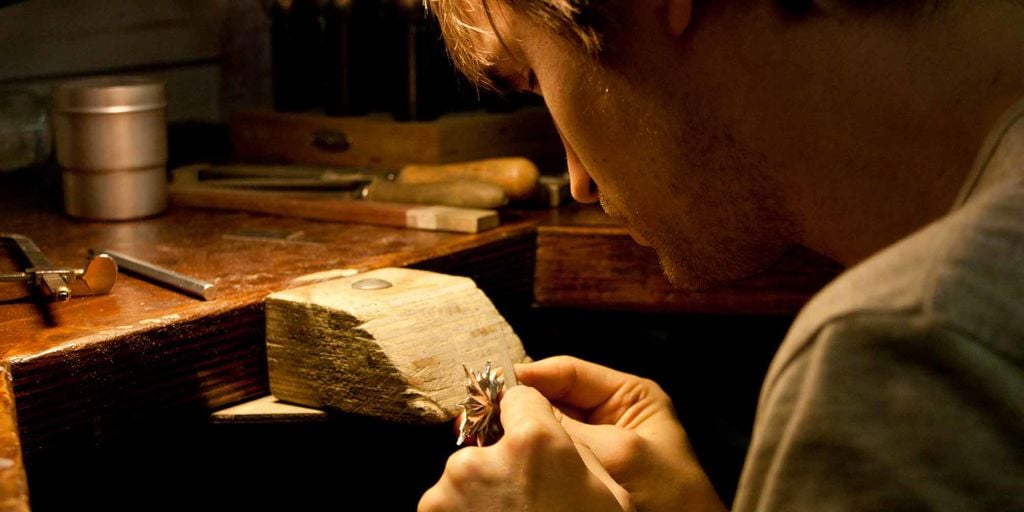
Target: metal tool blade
[{"x": 508, "y": 370}]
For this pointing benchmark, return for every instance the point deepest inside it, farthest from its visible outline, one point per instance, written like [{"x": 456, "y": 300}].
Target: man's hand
[
  {"x": 629, "y": 424},
  {"x": 536, "y": 466}
]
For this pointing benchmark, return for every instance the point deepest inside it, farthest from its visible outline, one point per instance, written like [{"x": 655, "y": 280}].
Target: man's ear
[{"x": 678, "y": 16}]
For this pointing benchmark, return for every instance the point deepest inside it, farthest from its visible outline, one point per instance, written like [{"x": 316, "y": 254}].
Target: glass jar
[{"x": 25, "y": 135}]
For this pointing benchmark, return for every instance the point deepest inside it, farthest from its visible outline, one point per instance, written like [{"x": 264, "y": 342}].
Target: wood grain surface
[
  {"x": 392, "y": 353},
  {"x": 314, "y": 206},
  {"x": 13, "y": 482},
  {"x": 587, "y": 260},
  {"x": 378, "y": 141}
]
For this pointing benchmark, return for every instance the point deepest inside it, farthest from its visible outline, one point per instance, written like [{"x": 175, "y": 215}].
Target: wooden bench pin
[{"x": 390, "y": 343}]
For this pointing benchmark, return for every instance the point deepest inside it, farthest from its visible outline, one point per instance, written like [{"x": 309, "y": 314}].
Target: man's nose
[{"x": 582, "y": 185}]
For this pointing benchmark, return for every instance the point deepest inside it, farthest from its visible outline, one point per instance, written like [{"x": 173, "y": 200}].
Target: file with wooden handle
[{"x": 446, "y": 188}]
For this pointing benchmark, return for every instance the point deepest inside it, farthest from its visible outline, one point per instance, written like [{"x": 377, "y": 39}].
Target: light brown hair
[
  {"x": 582, "y": 22},
  {"x": 577, "y": 20}
]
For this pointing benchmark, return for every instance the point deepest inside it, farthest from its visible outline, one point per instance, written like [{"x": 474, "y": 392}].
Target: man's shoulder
[
  {"x": 964, "y": 272},
  {"x": 978, "y": 287},
  {"x": 907, "y": 369}
]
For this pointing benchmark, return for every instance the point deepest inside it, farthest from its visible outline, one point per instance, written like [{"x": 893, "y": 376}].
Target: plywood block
[{"x": 393, "y": 352}]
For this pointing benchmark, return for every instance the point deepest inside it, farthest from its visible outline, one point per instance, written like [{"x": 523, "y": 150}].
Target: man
[{"x": 888, "y": 135}]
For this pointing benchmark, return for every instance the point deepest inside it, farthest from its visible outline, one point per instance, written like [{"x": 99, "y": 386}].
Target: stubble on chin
[{"x": 732, "y": 244}]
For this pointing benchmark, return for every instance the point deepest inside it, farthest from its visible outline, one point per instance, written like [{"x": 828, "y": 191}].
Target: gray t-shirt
[{"x": 901, "y": 385}]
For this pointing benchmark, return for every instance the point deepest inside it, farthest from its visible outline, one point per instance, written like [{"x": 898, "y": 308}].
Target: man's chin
[
  {"x": 638, "y": 238},
  {"x": 684, "y": 279},
  {"x": 695, "y": 273}
]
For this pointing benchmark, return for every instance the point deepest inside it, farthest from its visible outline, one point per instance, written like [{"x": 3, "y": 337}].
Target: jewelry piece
[{"x": 481, "y": 416}]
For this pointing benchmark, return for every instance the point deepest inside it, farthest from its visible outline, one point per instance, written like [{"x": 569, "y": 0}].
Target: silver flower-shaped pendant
[{"x": 481, "y": 416}]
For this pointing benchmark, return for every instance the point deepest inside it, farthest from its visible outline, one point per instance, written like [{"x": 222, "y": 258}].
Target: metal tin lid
[{"x": 109, "y": 95}]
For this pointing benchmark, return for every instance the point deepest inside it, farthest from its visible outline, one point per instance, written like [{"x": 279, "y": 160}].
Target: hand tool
[
  {"x": 160, "y": 275},
  {"x": 354, "y": 184},
  {"x": 518, "y": 177},
  {"x": 508, "y": 372},
  {"x": 59, "y": 283}
]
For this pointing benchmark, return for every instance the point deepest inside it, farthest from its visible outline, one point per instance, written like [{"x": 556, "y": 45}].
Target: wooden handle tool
[
  {"x": 364, "y": 184},
  {"x": 463, "y": 194},
  {"x": 517, "y": 176}
]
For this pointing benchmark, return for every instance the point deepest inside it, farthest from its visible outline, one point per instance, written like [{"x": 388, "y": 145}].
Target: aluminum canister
[{"x": 111, "y": 138}]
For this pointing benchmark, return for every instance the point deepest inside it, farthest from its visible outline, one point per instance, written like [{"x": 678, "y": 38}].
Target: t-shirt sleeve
[{"x": 889, "y": 412}]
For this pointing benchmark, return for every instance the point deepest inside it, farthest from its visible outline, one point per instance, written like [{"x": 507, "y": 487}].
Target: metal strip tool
[{"x": 160, "y": 275}]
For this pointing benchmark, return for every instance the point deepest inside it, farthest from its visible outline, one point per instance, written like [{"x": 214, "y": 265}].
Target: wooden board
[
  {"x": 321, "y": 207},
  {"x": 13, "y": 483},
  {"x": 267, "y": 409},
  {"x": 378, "y": 141},
  {"x": 587, "y": 260},
  {"x": 394, "y": 352}
]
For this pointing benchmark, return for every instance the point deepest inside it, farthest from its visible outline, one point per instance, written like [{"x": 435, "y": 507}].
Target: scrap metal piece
[{"x": 481, "y": 416}]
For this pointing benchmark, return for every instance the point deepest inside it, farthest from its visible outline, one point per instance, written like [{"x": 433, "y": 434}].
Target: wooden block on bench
[{"x": 393, "y": 352}]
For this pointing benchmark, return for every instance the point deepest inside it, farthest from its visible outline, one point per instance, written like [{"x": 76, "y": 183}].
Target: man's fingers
[
  {"x": 528, "y": 418},
  {"x": 572, "y": 381}
]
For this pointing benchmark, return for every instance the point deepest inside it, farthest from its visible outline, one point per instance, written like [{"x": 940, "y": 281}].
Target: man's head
[{"x": 723, "y": 132}]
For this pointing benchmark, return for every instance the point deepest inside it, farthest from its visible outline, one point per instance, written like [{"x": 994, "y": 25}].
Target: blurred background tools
[
  {"x": 456, "y": 197},
  {"x": 56, "y": 282},
  {"x": 485, "y": 184}
]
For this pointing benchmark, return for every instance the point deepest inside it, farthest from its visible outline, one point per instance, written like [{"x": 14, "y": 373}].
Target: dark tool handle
[{"x": 29, "y": 250}]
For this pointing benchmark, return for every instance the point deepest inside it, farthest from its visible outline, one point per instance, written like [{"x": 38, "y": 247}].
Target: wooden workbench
[
  {"x": 79, "y": 372},
  {"x": 85, "y": 370}
]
